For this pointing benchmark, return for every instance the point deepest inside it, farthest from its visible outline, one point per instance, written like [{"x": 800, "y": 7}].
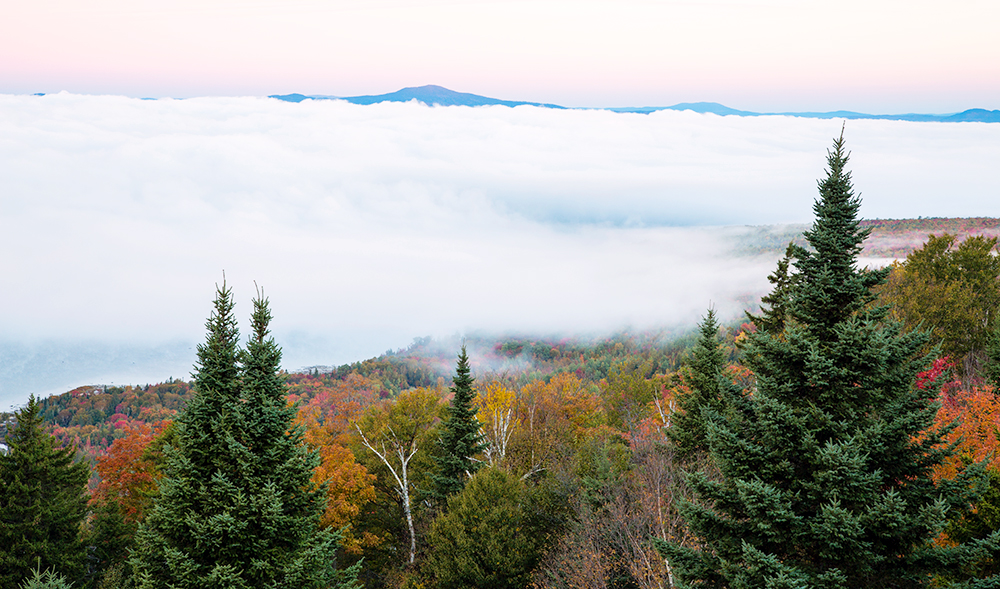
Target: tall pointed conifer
[
  {"x": 826, "y": 465},
  {"x": 461, "y": 439},
  {"x": 236, "y": 507},
  {"x": 42, "y": 503},
  {"x": 704, "y": 367}
]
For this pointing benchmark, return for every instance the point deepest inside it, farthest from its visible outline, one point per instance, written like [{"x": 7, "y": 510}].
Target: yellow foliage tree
[{"x": 496, "y": 403}]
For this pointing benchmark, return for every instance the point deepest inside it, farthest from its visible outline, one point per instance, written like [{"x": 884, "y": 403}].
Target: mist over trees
[{"x": 842, "y": 435}]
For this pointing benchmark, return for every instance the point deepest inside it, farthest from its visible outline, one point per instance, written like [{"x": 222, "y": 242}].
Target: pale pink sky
[{"x": 775, "y": 55}]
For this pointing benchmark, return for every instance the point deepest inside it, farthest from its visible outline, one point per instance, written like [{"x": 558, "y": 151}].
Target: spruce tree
[
  {"x": 460, "y": 438},
  {"x": 774, "y": 306},
  {"x": 826, "y": 463},
  {"x": 704, "y": 367},
  {"x": 42, "y": 503},
  {"x": 236, "y": 507}
]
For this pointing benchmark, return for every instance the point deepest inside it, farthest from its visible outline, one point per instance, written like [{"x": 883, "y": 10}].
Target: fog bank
[{"x": 370, "y": 225}]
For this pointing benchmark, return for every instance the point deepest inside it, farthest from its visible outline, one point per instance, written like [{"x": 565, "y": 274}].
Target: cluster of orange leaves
[
  {"x": 326, "y": 419},
  {"x": 127, "y": 473},
  {"x": 977, "y": 415}
]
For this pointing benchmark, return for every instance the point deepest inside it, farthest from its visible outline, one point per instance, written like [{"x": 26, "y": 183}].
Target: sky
[
  {"x": 370, "y": 226},
  {"x": 880, "y": 56}
]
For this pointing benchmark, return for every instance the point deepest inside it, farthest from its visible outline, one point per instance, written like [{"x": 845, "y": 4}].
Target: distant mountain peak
[{"x": 430, "y": 94}]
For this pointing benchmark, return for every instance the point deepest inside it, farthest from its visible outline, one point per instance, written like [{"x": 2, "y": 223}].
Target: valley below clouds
[{"x": 368, "y": 226}]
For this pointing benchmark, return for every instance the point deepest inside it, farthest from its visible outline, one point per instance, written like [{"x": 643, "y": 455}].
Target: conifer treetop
[
  {"x": 461, "y": 439},
  {"x": 42, "y": 502},
  {"x": 217, "y": 366},
  {"x": 836, "y": 288},
  {"x": 237, "y": 506},
  {"x": 704, "y": 368}
]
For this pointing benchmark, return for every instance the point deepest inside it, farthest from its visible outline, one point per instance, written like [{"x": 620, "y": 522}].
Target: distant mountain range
[{"x": 436, "y": 95}]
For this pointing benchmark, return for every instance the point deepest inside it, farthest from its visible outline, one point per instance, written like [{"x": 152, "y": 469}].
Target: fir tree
[
  {"x": 826, "y": 464},
  {"x": 704, "y": 368},
  {"x": 42, "y": 503},
  {"x": 460, "y": 439},
  {"x": 774, "y": 306},
  {"x": 109, "y": 538},
  {"x": 236, "y": 506}
]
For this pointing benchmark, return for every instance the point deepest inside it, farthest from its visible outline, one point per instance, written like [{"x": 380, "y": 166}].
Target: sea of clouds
[{"x": 370, "y": 225}]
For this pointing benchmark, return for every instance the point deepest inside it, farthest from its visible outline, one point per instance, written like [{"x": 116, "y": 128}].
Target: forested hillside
[
  {"x": 890, "y": 238},
  {"x": 584, "y": 452},
  {"x": 92, "y": 417}
]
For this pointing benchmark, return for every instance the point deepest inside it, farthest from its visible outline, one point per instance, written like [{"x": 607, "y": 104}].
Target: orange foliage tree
[
  {"x": 128, "y": 473},
  {"x": 976, "y": 414},
  {"x": 326, "y": 419}
]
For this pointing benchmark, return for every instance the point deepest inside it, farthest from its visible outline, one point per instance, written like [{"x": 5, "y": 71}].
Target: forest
[{"x": 842, "y": 434}]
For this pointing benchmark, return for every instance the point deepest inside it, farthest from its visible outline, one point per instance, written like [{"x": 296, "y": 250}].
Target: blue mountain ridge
[{"x": 438, "y": 96}]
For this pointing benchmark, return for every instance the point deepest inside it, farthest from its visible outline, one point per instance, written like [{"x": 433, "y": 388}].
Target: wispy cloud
[{"x": 368, "y": 226}]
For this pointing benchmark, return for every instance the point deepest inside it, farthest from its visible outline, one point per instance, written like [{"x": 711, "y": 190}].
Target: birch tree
[
  {"x": 397, "y": 433},
  {"x": 496, "y": 403}
]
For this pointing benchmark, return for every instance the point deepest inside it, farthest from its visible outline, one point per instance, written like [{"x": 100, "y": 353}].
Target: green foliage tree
[
  {"x": 826, "y": 465},
  {"x": 42, "y": 503},
  {"x": 979, "y": 524},
  {"x": 705, "y": 365},
  {"x": 236, "y": 507},
  {"x": 460, "y": 439},
  {"x": 492, "y": 534},
  {"x": 628, "y": 392},
  {"x": 952, "y": 290},
  {"x": 400, "y": 434}
]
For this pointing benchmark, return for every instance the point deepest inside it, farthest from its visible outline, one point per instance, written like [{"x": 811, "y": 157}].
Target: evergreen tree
[
  {"x": 826, "y": 464},
  {"x": 460, "y": 439},
  {"x": 109, "y": 537},
  {"x": 491, "y": 536},
  {"x": 774, "y": 306},
  {"x": 42, "y": 503},
  {"x": 704, "y": 368},
  {"x": 236, "y": 506}
]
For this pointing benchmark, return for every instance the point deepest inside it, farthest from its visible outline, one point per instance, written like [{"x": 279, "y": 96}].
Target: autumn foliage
[
  {"x": 976, "y": 416},
  {"x": 128, "y": 473},
  {"x": 592, "y": 448},
  {"x": 326, "y": 418}
]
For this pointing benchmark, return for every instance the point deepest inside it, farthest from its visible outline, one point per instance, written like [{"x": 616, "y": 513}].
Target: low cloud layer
[{"x": 369, "y": 225}]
